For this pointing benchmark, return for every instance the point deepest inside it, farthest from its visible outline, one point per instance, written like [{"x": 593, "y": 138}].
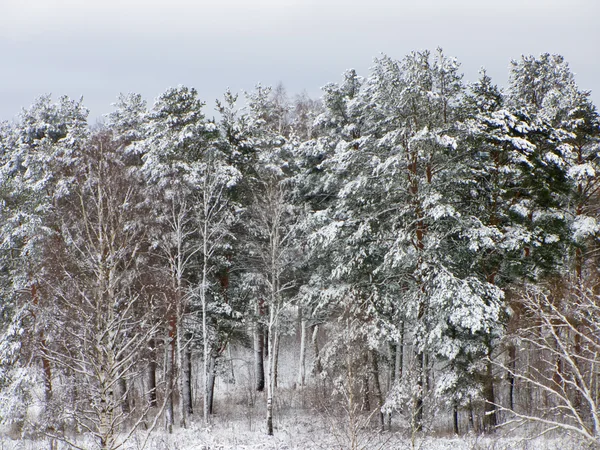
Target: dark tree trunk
[
  {"x": 211, "y": 382},
  {"x": 512, "y": 357},
  {"x": 47, "y": 372},
  {"x": 315, "y": 342},
  {"x": 400, "y": 355},
  {"x": 418, "y": 404},
  {"x": 270, "y": 416},
  {"x": 472, "y": 418},
  {"x": 170, "y": 375},
  {"x": 455, "y": 419},
  {"x": 259, "y": 367},
  {"x": 124, "y": 396},
  {"x": 392, "y": 348},
  {"x": 151, "y": 374},
  {"x": 490, "y": 414},
  {"x": 265, "y": 344},
  {"x": 377, "y": 388},
  {"x": 187, "y": 380}
]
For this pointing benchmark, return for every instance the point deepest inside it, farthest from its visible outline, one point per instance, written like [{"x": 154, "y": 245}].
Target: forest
[{"x": 409, "y": 253}]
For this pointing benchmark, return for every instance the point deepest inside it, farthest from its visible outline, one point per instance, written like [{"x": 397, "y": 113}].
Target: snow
[
  {"x": 552, "y": 158},
  {"x": 582, "y": 172},
  {"x": 311, "y": 432},
  {"x": 583, "y": 227}
]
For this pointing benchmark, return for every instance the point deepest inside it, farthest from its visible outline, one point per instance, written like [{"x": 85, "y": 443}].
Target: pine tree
[
  {"x": 191, "y": 178},
  {"x": 40, "y": 147}
]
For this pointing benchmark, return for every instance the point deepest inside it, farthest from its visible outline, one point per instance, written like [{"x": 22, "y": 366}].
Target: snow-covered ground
[{"x": 304, "y": 433}]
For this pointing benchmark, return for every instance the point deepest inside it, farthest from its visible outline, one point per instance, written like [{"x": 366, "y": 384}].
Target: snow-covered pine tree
[
  {"x": 484, "y": 190},
  {"x": 128, "y": 121},
  {"x": 344, "y": 250},
  {"x": 16, "y": 379},
  {"x": 271, "y": 228},
  {"x": 546, "y": 88},
  {"x": 564, "y": 215},
  {"x": 189, "y": 179},
  {"x": 40, "y": 146},
  {"x": 414, "y": 107},
  {"x": 240, "y": 138}
]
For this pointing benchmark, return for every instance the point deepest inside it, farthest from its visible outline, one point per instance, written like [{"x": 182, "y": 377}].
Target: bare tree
[
  {"x": 104, "y": 320},
  {"x": 561, "y": 338}
]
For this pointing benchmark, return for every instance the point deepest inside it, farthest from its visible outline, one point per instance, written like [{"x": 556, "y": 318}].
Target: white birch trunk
[{"x": 302, "y": 363}]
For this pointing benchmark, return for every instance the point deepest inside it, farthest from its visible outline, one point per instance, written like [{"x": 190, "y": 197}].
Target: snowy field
[
  {"x": 308, "y": 432},
  {"x": 304, "y": 436}
]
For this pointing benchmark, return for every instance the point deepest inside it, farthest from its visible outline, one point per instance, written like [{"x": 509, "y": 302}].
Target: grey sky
[{"x": 98, "y": 48}]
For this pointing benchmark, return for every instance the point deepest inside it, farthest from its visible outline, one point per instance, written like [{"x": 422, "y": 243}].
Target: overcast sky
[{"x": 99, "y": 48}]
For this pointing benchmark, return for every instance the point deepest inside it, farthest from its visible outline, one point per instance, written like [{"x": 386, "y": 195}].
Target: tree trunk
[
  {"x": 259, "y": 368},
  {"x": 124, "y": 396},
  {"x": 151, "y": 374},
  {"x": 471, "y": 418},
  {"x": 512, "y": 361},
  {"x": 231, "y": 365},
  {"x": 365, "y": 387},
  {"x": 418, "y": 401},
  {"x": 399, "y": 363},
  {"x": 270, "y": 416},
  {"x": 275, "y": 359},
  {"x": 393, "y": 352},
  {"x": 455, "y": 418},
  {"x": 212, "y": 375},
  {"x": 377, "y": 388},
  {"x": 170, "y": 378},
  {"x": 392, "y": 348},
  {"x": 47, "y": 371},
  {"x": 266, "y": 348},
  {"x": 188, "y": 378},
  {"x": 490, "y": 413},
  {"x": 302, "y": 363},
  {"x": 207, "y": 391},
  {"x": 185, "y": 384},
  {"x": 181, "y": 381},
  {"x": 270, "y": 381},
  {"x": 315, "y": 343}
]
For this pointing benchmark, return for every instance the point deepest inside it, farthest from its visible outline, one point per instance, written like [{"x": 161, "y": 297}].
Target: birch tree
[
  {"x": 101, "y": 316},
  {"x": 563, "y": 360},
  {"x": 272, "y": 227}
]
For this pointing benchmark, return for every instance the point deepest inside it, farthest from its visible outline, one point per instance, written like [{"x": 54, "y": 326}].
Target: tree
[
  {"x": 36, "y": 150},
  {"x": 175, "y": 137},
  {"x": 564, "y": 363},
  {"x": 101, "y": 320},
  {"x": 192, "y": 179},
  {"x": 564, "y": 162},
  {"x": 272, "y": 228}
]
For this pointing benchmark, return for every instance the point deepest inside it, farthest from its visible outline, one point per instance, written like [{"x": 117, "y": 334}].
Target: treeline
[{"x": 433, "y": 243}]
